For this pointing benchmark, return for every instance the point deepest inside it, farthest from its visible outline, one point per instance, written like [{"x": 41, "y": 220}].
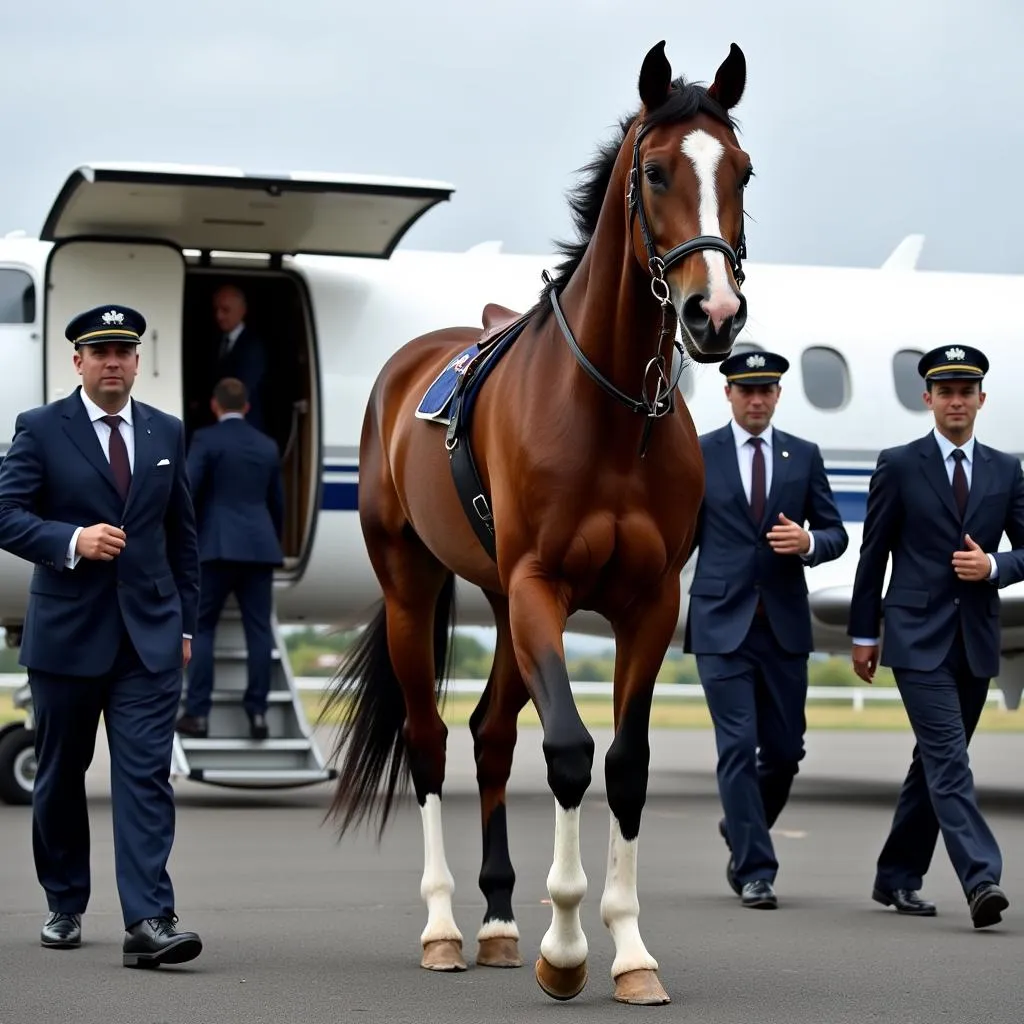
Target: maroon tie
[
  {"x": 960, "y": 490},
  {"x": 757, "y": 481},
  {"x": 119, "y": 464}
]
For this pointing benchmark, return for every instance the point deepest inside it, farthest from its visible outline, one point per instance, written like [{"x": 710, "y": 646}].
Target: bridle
[{"x": 661, "y": 403}]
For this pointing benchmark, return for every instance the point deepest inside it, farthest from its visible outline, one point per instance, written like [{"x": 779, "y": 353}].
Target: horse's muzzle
[{"x": 708, "y": 335}]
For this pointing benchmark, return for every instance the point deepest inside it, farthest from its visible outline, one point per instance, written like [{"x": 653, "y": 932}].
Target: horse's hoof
[
  {"x": 640, "y": 988},
  {"x": 560, "y": 982},
  {"x": 500, "y": 951},
  {"x": 443, "y": 955}
]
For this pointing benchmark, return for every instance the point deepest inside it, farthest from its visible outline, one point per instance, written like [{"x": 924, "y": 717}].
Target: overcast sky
[{"x": 866, "y": 121}]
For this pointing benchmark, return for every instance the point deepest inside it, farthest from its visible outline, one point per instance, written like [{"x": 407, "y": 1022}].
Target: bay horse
[{"x": 587, "y": 498}]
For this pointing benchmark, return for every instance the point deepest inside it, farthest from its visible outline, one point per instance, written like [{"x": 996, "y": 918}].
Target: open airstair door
[
  {"x": 227, "y": 210},
  {"x": 227, "y": 757}
]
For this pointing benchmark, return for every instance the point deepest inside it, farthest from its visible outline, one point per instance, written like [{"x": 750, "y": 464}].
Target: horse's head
[{"x": 685, "y": 198}]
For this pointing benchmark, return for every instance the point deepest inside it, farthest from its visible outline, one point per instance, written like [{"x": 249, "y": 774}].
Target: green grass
[{"x": 596, "y": 713}]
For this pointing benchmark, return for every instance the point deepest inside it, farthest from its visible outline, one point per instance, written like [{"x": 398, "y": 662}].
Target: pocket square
[{"x": 164, "y": 462}]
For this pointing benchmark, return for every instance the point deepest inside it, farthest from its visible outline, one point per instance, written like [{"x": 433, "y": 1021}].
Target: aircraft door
[
  {"x": 21, "y": 348},
  {"x": 149, "y": 277}
]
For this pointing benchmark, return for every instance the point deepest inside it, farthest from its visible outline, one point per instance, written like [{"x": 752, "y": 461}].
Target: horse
[{"x": 575, "y": 483}]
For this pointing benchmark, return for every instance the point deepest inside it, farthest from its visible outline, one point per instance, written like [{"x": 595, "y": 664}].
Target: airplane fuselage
[{"x": 852, "y": 387}]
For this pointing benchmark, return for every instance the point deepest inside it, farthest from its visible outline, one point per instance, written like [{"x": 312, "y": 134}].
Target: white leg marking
[
  {"x": 705, "y": 152},
  {"x": 620, "y": 908},
  {"x": 437, "y": 884},
  {"x": 564, "y": 944},
  {"x": 498, "y": 930}
]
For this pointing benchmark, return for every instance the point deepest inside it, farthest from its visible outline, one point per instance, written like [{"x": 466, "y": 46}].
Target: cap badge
[
  {"x": 755, "y": 360},
  {"x": 113, "y": 317},
  {"x": 955, "y": 353}
]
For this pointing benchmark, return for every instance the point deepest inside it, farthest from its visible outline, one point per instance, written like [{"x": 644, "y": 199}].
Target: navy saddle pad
[{"x": 434, "y": 404}]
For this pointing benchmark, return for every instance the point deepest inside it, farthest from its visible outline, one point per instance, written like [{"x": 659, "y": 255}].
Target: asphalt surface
[{"x": 299, "y": 928}]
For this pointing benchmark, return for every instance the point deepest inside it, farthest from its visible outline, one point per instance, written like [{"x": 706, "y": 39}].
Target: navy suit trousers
[
  {"x": 138, "y": 710},
  {"x": 253, "y": 587},
  {"x": 757, "y": 697},
  {"x": 944, "y": 707}
]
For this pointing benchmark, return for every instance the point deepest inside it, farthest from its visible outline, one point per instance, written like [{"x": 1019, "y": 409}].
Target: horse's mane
[{"x": 685, "y": 100}]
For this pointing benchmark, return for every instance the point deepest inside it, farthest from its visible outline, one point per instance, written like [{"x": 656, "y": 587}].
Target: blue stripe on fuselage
[{"x": 342, "y": 496}]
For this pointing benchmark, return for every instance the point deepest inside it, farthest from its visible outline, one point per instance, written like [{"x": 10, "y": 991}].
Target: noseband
[{"x": 660, "y": 404}]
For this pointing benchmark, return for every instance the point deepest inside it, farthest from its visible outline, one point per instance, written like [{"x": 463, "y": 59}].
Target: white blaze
[{"x": 705, "y": 153}]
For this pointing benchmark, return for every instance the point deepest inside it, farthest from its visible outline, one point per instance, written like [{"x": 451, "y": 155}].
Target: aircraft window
[
  {"x": 17, "y": 297},
  {"x": 826, "y": 378},
  {"x": 909, "y": 385}
]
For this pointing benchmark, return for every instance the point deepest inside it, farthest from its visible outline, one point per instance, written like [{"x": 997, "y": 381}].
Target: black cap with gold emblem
[{"x": 106, "y": 325}]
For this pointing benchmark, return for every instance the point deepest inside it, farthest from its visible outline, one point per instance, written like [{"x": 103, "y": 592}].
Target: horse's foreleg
[
  {"x": 493, "y": 725},
  {"x": 537, "y": 615},
  {"x": 641, "y": 642}
]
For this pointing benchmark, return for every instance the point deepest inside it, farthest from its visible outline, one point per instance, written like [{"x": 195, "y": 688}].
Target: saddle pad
[{"x": 434, "y": 404}]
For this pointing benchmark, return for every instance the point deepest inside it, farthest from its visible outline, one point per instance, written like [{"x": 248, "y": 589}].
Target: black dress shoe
[
  {"x": 730, "y": 877},
  {"x": 61, "y": 931},
  {"x": 192, "y": 725},
  {"x": 258, "y": 727},
  {"x": 759, "y": 894},
  {"x": 154, "y": 941},
  {"x": 906, "y": 901},
  {"x": 987, "y": 903}
]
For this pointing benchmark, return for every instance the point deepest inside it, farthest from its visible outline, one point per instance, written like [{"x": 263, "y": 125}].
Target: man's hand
[
  {"x": 865, "y": 661},
  {"x": 186, "y": 651},
  {"x": 787, "y": 538},
  {"x": 101, "y": 543},
  {"x": 972, "y": 564}
]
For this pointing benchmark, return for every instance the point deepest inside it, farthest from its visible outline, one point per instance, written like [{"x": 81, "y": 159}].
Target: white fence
[{"x": 857, "y": 696}]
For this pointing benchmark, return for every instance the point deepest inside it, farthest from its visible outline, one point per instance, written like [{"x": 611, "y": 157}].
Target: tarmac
[{"x": 299, "y": 927}]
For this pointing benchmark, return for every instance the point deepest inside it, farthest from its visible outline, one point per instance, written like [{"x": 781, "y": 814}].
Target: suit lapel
[
  {"x": 980, "y": 477},
  {"x": 780, "y": 475},
  {"x": 143, "y": 453},
  {"x": 935, "y": 472},
  {"x": 729, "y": 467},
  {"x": 80, "y": 429}
]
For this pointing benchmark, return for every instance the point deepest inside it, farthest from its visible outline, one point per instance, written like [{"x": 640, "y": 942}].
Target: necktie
[
  {"x": 757, "y": 481},
  {"x": 225, "y": 345},
  {"x": 119, "y": 464},
  {"x": 960, "y": 481}
]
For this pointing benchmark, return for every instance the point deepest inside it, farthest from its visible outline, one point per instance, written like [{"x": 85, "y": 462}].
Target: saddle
[{"x": 449, "y": 401}]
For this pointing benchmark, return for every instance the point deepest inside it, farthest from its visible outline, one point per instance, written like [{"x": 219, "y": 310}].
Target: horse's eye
[{"x": 653, "y": 174}]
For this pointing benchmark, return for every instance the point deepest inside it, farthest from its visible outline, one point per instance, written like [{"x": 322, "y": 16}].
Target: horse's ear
[
  {"x": 655, "y": 77},
  {"x": 730, "y": 79}
]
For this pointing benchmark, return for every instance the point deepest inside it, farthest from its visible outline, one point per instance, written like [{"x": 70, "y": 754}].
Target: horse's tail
[{"x": 372, "y": 729}]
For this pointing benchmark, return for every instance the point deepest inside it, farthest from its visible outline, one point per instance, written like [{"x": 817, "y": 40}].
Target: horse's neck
[{"x": 614, "y": 316}]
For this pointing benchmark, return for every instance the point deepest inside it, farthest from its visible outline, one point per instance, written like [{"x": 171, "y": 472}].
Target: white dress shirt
[
  {"x": 745, "y": 458},
  {"x": 230, "y": 337},
  {"x": 126, "y": 428},
  {"x": 946, "y": 448}
]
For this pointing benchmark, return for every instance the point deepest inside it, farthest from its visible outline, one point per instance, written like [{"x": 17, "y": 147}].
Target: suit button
[{"x": 956, "y": 602}]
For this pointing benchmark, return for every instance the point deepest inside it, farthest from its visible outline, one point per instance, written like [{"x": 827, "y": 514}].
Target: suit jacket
[
  {"x": 56, "y": 478},
  {"x": 736, "y": 565},
  {"x": 235, "y": 475},
  {"x": 912, "y": 515},
  {"x": 247, "y": 361}
]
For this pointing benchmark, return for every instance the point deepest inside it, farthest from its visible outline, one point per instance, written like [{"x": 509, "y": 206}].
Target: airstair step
[{"x": 262, "y": 779}]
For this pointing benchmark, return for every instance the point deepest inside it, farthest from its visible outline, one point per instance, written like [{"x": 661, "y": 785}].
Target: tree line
[{"x": 315, "y": 651}]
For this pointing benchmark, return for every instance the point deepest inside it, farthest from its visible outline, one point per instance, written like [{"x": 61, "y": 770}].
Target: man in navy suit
[
  {"x": 939, "y": 506},
  {"x": 93, "y": 491},
  {"x": 241, "y": 353},
  {"x": 235, "y": 475},
  {"x": 749, "y": 622}
]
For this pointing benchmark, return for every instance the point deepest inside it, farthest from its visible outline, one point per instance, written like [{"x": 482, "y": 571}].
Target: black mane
[{"x": 686, "y": 100}]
